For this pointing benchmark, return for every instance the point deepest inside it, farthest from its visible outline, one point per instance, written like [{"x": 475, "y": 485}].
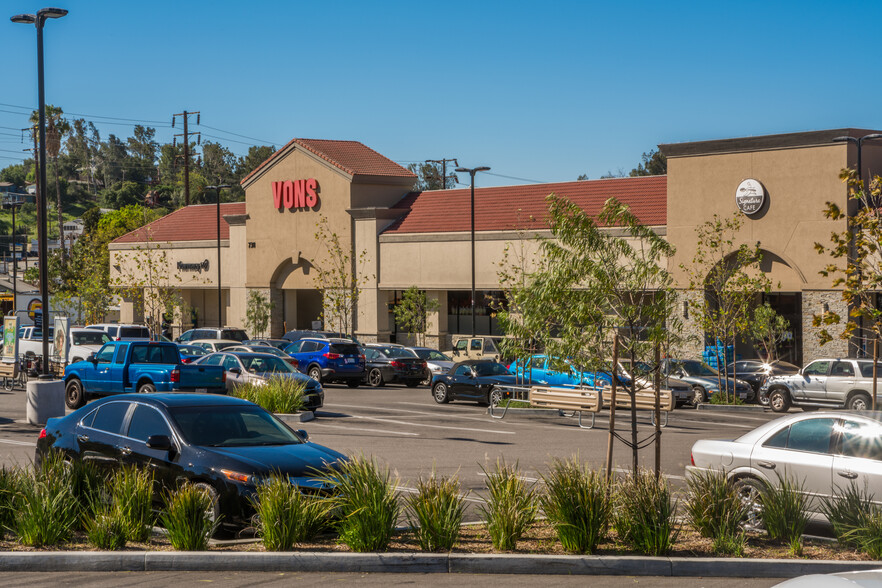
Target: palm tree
[{"x": 56, "y": 127}]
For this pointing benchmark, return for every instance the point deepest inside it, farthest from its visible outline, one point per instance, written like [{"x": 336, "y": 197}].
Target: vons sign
[{"x": 295, "y": 194}]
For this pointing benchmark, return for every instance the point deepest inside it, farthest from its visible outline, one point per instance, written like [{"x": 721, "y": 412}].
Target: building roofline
[{"x": 760, "y": 143}]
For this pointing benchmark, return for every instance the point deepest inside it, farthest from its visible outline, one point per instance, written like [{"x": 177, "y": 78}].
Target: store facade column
[{"x": 437, "y": 334}]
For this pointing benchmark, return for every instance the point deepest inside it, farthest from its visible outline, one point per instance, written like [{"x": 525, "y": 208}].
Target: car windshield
[
  {"x": 430, "y": 355},
  {"x": 223, "y": 345},
  {"x": 490, "y": 369},
  {"x": 693, "y": 368},
  {"x": 89, "y": 338},
  {"x": 231, "y": 426},
  {"x": 192, "y": 350},
  {"x": 265, "y": 363}
]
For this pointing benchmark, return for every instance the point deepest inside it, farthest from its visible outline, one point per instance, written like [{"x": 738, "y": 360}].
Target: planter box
[{"x": 296, "y": 418}]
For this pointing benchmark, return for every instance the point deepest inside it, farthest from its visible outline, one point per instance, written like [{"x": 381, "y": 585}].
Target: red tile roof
[
  {"x": 524, "y": 207},
  {"x": 350, "y": 156},
  {"x": 191, "y": 223}
]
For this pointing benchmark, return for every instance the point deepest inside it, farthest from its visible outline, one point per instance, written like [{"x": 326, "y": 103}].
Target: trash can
[{"x": 45, "y": 400}]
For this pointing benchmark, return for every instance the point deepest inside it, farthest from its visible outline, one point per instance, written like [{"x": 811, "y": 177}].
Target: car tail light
[
  {"x": 425, "y": 365},
  {"x": 330, "y": 355},
  {"x": 186, "y": 359},
  {"x": 42, "y": 433},
  {"x": 118, "y": 339},
  {"x": 363, "y": 358},
  {"x": 692, "y": 458},
  {"x": 396, "y": 364},
  {"x": 292, "y": 361},
  {"x": 176, "y": 375},
  {"x": 224, "y": 377}
]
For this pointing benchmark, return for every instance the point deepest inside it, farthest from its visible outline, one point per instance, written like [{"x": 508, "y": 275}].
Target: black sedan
[
  {"x": 225, "y": 445},
  {"x": 392, "y": 364},
  {"x": 755, "y": 372},
  {"x": 475, "y": 379}
]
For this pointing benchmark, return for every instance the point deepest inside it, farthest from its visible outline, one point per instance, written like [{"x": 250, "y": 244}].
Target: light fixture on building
[
  {"x": 686, "y": 309},
  {"x": 826, "y": 308}
]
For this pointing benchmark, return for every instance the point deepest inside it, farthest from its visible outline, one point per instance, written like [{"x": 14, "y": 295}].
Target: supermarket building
[{"x": 274, "y": 241}]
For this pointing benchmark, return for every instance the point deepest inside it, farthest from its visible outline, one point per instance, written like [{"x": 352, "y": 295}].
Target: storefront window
[{"x": 459, "y": 317}]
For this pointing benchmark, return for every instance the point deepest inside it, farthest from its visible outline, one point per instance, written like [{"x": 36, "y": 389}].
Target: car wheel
[
  {"x": 439, "y": 393},
  {"x": 353, "y": 383},
  {"x": 699, "y": 396},
  {"x": 375, "y": 378},
  {"x": 750, "y": 491},
  {"x": 213, "y": 513},
  {"x": 315, "y": 372},
  {"x": 859, "y": 401},
  {"x": 494, "y": 397},
  {"x": 779, "y": 400},
  {"x": 763, "y": 397},
  {"x": 146, "y": 388},
  {"x": 74, "y": 397}
]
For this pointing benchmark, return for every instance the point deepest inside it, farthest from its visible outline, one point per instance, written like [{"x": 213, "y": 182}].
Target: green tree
[
  {"x": 56, "y": 128},
  {"x": 17, "y": 174},
  {"x": 592, "y": 283},
  {"x": 653, "y": 163},
  {"x": 123, "y": 194},
  {"x": 257, "y": 154},
  {"x": 141, "y": 147},
  {"x": 769, "y": 329},
  {"x": 730, "y": 278},
  {"x": 339, "y": 277},
  {"x": 429, "y": 177},
  {"x": 257, "y": 314},
  {"x": 412, "y": 313}
]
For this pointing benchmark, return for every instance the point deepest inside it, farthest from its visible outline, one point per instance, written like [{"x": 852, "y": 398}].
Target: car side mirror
[
  {"x": 303, "y": 434},
  {"x": 93, "y": 358},
  {"x": 159, "y": 442},
  {"x": 235, "y": 371}
]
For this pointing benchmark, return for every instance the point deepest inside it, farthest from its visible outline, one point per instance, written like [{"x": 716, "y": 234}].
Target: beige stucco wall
[{"x": 798, "y": 182}]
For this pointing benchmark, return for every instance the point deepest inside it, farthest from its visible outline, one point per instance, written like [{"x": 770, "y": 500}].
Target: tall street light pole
[
  {"x": 39, "y": 20},
  {"x": 218, "y": 189},
  {"x": 472, "y": 172}
]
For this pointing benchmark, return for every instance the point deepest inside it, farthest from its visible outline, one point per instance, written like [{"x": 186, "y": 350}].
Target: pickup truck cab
[{"x": 138, "y": 366}]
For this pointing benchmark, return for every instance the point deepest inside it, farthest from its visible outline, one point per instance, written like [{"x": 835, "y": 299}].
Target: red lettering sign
[{"x": 295, "y": 194}]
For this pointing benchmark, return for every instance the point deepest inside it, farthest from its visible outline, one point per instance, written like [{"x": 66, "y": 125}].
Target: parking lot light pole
[
  {"x": 472, "y": 172},
  {"x": 218, "y": 189},
  {"x": 13, "y": 205},
  {"x": 39, "y": 20}
]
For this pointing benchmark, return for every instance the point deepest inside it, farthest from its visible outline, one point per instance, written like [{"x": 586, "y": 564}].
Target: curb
[
  {"x": 724, "y": 408},
  {"x": 302, "y": 561},
  {"x": 297, "y": 417}
]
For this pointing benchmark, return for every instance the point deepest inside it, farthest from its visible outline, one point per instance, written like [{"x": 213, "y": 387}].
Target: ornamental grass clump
[
  {"x": 285, "y": 516},
  {"x": 578, "y": 504},
  {"x": 645, "y": 510},
  {"x": 849, "y": 511},
  {"x": 46, "y": 508},
  {"x": 187, "y": 518},
  {"x": 277, "y": 394},
  {"x": 716, "y": 511},
  {"x": 107, "y": 529},
  {"x": 132, "y": 500},
  {"x": 365, "y": 503},
  {"x": 512, "y": 506},
  {"x": 10, "y": 481},
  {"x": 435, "y": 512},
  {"x": 785, "y": 512},
  {"x": 89, "y": 486},
  {"x": 867, "y": 536}
]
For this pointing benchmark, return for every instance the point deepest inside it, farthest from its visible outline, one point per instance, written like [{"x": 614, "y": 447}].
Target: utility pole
[
  {"x": 443, "y": 163},
  {"x": 186, "y": 137}
]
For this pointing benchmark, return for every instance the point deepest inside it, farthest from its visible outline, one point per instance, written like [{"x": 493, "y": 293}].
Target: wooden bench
[
  {"x": 643, "y": 400},
  {"x": 8, "y": 369},
  {"x": 574, "y": 400}
]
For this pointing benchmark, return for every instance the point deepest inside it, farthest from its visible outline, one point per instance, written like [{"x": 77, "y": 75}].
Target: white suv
[{"x": 123, "y": 332}]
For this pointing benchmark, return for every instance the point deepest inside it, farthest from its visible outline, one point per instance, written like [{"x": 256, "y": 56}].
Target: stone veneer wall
[
  {"x": 693, "y": 337},
  {"x": 813, "y": 303}
]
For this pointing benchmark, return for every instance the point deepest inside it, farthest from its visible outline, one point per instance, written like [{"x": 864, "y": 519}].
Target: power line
[
  {"x": 225, "y": 139},
  {"x": 236, "y": 135},
  {"x": 514, "y": 178}
]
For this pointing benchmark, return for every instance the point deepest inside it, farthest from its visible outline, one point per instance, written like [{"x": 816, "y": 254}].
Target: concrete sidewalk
[{"x": 301, "y": 561}]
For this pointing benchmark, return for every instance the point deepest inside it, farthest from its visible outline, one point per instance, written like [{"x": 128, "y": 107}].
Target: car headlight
[{"x": 239, "y": 477}]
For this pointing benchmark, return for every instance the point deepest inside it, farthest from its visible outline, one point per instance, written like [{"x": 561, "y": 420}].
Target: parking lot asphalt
[{"x": 404, "y": 428}]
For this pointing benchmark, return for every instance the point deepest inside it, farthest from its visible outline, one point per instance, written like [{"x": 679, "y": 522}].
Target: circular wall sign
[{"x": 750, "y": 196}]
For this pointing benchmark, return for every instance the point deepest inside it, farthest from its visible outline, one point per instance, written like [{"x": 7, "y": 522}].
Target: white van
[{"x": 123, "y": 332}]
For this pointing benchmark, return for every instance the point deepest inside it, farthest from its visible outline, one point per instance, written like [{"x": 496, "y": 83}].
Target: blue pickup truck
[{"x": 138, "y": 366}]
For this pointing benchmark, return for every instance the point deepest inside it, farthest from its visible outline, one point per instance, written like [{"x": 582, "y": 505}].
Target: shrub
[
  {"x": 286, "y": 516},
  {"x": 280, "y": 395},
  {"x": 784, "y": 512},
  {"x": 89, "y": 486},
  {"x": 578, "y": 504},
  {"x": 46, "y": 508},
  {"x": 366, "y": 503},
  {"x": 9, "y": 487},
  {"x": 107, "y": 529},
  {"x": 132, "y": 495},
  {"x": 847, "y": 512},
  {"x": 187, "y": 519},
  {"x": 511, "y": 507},
  {"x": 645, "y": 513},
  {"x": 868, "y": 535},
  {"x": 720, "y": 398},
  {"x": 716, "y": 511},
  {"x": 435, "y": 512}
]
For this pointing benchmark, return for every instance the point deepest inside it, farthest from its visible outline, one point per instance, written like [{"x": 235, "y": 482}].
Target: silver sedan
[{"x": 825, "y": 451}]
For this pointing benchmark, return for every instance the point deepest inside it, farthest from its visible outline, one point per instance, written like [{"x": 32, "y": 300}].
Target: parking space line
[
  {"x": 715, "y": 423},
  {"x": 14, "y": 442},
  {"x": 669, "y": 476},
  {"x": 433, "y": 426},
  {"x": 421, "y": 412},
  {"x": 325, "y": 425},
  {"x": 524, "y": 478}
]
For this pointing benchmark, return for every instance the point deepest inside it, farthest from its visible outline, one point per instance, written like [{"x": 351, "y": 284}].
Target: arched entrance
[{"x": 297, "y": 304}]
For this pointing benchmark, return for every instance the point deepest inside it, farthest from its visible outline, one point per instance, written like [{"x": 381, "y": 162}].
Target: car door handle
[
  {"x": 83, "y": 438},
  {"x": 125, "y": 450},
  {"x": 766, "y": 464},
  {"x": 847, "y": 474}
]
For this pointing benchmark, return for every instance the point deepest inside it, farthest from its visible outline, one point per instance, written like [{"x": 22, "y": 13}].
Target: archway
[{"x": 297, "y": 303}]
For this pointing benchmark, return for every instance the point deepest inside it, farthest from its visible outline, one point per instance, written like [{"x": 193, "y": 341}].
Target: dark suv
[
  {"x": 225, "y": 333},
  {"x": 329, "y": 360}
]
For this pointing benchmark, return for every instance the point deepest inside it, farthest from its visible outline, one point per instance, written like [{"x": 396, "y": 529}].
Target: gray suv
[{"x": 829, "y": 383}]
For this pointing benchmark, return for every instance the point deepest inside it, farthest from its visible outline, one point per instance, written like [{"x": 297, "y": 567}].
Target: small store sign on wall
[
  {"x": 295, "y": 194},
  {"x": 750, "y": 196}
]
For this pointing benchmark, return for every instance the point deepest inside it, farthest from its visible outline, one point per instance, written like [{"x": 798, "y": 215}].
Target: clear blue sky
[{"x": 537, "y": 90}]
